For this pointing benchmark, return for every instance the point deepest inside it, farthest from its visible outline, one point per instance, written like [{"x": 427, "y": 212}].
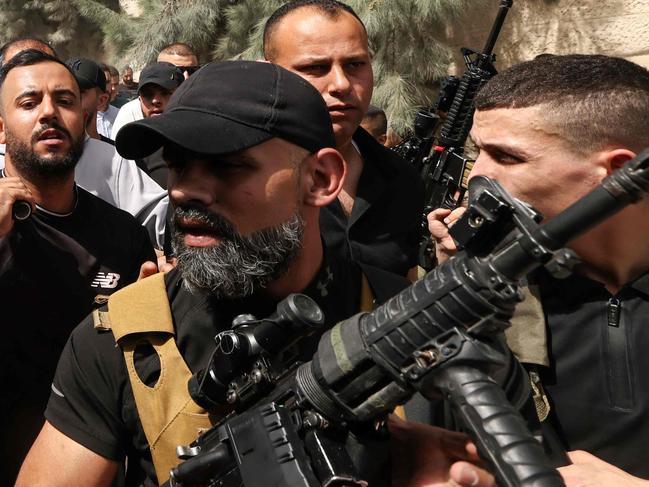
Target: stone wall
[{"x": 612, "y": 27}]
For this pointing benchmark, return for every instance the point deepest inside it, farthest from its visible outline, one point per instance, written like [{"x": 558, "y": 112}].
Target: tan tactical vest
[{"x": 140, "y": 314}]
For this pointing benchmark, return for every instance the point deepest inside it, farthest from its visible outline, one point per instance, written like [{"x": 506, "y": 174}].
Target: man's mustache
[
  {"x": 188, "y": 217},
  {"x": 47, "y": 126}
]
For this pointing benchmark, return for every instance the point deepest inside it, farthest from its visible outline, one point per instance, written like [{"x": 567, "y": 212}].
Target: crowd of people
[{"x": 163, "y": 209}]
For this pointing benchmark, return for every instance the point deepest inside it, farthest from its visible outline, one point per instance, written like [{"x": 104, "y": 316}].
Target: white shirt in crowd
[
  {"x": 105, "y": 120},
  {"x": 130, "y": 112}
]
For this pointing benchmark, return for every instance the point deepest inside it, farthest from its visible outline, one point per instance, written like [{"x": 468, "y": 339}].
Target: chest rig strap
[{"x": 140, "y": 314}]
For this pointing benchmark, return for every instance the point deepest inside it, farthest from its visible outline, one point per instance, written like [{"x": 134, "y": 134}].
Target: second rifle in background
[{"x": 445, "y": 170}]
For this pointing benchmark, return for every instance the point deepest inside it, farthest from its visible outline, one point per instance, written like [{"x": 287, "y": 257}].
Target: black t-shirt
[
  {"x": 92, "y": 400},
  {"x": 51, "y": 269},
  {"x": 598, "y": 382},
  {"x": 384, "y": 227}
]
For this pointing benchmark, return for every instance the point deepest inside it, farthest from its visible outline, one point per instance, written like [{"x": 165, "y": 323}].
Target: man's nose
[
  {"x": 193, "y": 184},
  {"x": 339, "y": 81},
  {"x": 48, "y": 109}
]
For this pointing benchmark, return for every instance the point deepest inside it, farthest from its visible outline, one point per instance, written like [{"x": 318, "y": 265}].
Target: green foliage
[
  {"x": 407, "y": 37},
  {"x": 56, "y": 21}
]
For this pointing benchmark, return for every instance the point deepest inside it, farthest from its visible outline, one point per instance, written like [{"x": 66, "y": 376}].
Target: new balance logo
[{"x": 105, "y": 280}]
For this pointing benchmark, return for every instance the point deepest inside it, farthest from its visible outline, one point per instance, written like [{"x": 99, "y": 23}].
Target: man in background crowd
[
  {"x": 128, "y": 84},
  {"x": 14, "y": 46},
  {"x": 57, "y": 263},
  {"x": 94, "y": 94},
  {"x": 157, "y": 83},
  {"x": 180, "y": 55},
  {"x": 376, "y": 124},
  {"x": 376, "y": 218},
  {"x": 106, "y": 111}
]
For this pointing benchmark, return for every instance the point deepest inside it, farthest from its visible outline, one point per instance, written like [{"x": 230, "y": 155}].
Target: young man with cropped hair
[{"x": 549, "y": 130}]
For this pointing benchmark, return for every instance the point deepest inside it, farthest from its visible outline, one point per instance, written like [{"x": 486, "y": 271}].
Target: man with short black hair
[
  {"x": 13, "y": 47},
  {"x": 56, "y": 264},
  {"x": 376, "y": 219},
  {"x": 549, "y": 130},
  {"x": 180, "y": 55}
]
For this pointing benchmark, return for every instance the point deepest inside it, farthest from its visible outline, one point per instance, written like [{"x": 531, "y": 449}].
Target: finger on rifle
[
  {"x": 436, "y": 225},
  {"x": 454, "y": 216}
]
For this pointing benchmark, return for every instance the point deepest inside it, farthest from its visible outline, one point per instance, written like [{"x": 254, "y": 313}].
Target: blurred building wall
[{"x": 611, "y": 27}]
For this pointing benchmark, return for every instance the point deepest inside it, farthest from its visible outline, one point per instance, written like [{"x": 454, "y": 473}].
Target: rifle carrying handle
[{"x": 516, "y": 458}]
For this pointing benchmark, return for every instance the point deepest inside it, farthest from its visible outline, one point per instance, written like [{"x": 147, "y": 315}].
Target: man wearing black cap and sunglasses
[
  {"x": 251, "y": 165},
  {"x": 182, "y": 56}
]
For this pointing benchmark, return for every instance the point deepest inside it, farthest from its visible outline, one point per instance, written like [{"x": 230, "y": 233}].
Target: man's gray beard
[
  {"x": 32, "y": 166},
  {"x": 238, "y": 265}
]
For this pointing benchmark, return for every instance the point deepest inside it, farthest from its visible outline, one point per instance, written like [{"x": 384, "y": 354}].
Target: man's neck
[
  {"x": 617, "y": 251},
  {"x": 54, "y": 194}
]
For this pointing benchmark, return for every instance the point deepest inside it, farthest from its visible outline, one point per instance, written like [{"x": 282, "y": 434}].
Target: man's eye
[
  {"x": 230, "y": 166},
  {"x": 505, "y": 158},
  {"x": 315, "y": 68},
  {"x": 28, "y": 104},
  {"x": 356, "y": 64},
  {"x": 68, "y": 102}
]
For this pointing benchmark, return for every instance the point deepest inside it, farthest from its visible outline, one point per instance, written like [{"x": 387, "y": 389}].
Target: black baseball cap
[
  {"x": 229, "y": 106},
  {"x": 163, "y": 74},
  {"x": 88, "y": 73}
]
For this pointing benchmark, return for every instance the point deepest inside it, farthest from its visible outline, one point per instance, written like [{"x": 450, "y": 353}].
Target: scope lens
[{"x": 308, "y": 309}]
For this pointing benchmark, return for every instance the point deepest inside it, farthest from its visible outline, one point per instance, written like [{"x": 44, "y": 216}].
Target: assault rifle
[
  {"x": 445, "y": 170},
  {"x": 442, "y": 336}
]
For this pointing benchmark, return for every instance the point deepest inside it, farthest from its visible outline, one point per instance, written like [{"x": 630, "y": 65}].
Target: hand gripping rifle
[
  {"x": 442, "y": 336},
  {"x": 446, "y": 170}
]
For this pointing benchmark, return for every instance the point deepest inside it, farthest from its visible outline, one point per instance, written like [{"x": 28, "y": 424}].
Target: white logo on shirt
[{"x": 105, "y": 280}]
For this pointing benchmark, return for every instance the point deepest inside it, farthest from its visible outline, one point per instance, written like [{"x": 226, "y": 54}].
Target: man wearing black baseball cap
[
  {"x": 251, "y": 163},
  {"x": 92, "y": 82},
  {"x": 157, "y": 82}
]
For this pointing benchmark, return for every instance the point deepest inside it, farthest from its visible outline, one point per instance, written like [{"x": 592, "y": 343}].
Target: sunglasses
[{"x": 189, "y": 69}]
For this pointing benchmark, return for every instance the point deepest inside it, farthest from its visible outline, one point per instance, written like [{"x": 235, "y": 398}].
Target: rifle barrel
[{"x": 505, "y": 5}]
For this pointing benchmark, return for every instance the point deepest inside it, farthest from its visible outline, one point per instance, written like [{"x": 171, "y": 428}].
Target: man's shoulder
[
  {"x": 382, "y": 157},
  {"x": 103, "y": 212},
  {"x": 94, "y": 149},
  {"x": 131, "y": 109}
]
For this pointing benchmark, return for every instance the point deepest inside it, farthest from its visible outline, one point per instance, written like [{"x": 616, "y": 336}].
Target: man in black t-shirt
[
  {"x": 250, "y": 164},
  {"x": 376, "y": 219},
  {"x": 73, "y": 249}
]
